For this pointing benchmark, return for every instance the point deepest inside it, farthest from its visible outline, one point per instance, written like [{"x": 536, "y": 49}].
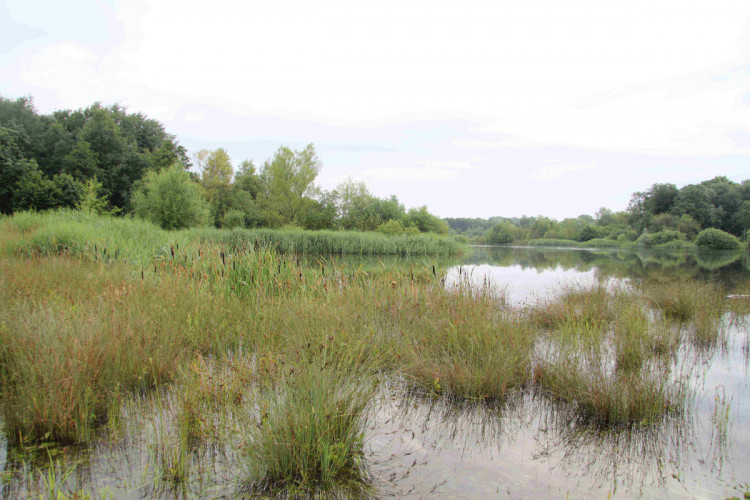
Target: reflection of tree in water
[{"x": 728, "y": 268}]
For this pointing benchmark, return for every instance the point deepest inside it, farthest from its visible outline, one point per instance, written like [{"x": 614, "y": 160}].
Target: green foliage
[
  {"x": 233, "y": 219},
  {"x": 394, "y": 227},
  {"x": 651, "y": 240},
  {"x": 287, "y": 179},
  {"x": 171, "y": 199},
  {"x": 92, "y": 201},
  {"x": 742, "y": 218},
  {"x": 716, "y": 239},
  {"x": 549, "y": 242},
  {"x": 501, "y": 233},
  {"x": 425, "y": 221},
  {"x": 107, "y": 142},
  {"x": 247, "y": 179},
  {"x": 590, "y": 232}
]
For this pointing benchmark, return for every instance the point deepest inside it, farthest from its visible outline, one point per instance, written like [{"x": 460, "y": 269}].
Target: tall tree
[{"x": 288, "y": 178}]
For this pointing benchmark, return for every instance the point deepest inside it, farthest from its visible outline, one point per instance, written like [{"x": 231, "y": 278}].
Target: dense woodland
[{"x": 106, "y": 160}]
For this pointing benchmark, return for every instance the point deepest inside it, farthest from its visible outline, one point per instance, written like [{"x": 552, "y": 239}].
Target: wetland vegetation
[{"x": 138, "y": 362}]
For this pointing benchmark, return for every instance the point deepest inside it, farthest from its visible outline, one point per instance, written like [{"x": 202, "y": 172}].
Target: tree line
[
  {"x": 661, "y": 214},
  {"x": 104, "y": 159}
]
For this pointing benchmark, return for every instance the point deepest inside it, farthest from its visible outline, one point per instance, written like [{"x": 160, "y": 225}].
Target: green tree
[
  {"x": 501, "y": 233},
  {"x": 92, "y": 200},
  {"x": 695, "y": 201},
  {"x": 171, "y": 199},
  {"x": 247, "y": 179},
  {"x": 287, "y": 179},
  {"x": 742, "y": 219},
  {"x": 216, "y": 176},
  {"x": 425, "y": 221}
]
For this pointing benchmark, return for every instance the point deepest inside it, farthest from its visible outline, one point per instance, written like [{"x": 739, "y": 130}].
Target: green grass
[
  {"x": 107, "y": 238},
  {"x": 310, "y": 435},
  {"x": 612, "y": 399}
]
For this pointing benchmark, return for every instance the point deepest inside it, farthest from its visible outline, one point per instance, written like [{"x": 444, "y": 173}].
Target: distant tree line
[
  {"x": 107, "y": 160},
  {"x": 661, "y": 214}
]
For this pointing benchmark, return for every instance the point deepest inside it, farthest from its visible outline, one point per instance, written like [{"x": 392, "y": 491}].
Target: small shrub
[{"x": 716, "y": 239}]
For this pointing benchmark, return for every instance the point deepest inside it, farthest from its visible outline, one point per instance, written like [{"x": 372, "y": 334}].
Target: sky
[{"x": 473, "y": 108}]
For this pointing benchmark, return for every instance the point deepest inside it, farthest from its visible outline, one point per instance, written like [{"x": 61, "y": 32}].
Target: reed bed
[{"x": 106, "y": 238}]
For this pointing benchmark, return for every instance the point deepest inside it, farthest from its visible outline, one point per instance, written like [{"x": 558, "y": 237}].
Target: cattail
[{"x": 171, "y": 249}]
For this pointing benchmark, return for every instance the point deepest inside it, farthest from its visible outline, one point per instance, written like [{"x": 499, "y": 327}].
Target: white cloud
[
  {"x": 194, "y": 116},
  {"x": 556, "y": 170},
  {"x": 448, "y": 164},
  {"x": 403, "y": 174}
]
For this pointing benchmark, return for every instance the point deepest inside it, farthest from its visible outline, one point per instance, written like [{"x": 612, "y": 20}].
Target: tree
[
  {"x": 215, "y": 167},
  {"x": 216, "y": 177},
  {"x": 425, "y": 221},
  {"x": 92, "y": 201},
  {"x": 604, "y": 216},
  {"x": 247, "y": 179},
  {"x": 660, "y": 198},
  {"x": 501, "y": 233},
  {"x": 287, "y": 179},
  {"x": 171, "y": 199},
  {"x": 742, "y": 218},
  {"x": 695, "y": 201}
]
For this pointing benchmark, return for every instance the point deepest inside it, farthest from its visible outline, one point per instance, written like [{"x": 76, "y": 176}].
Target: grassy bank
[
  {"x": 138, "y": 241},
  {"x": 244, "y": 347}
]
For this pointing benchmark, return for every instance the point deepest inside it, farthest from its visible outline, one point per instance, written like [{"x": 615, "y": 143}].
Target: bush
[
  {"x": 391, "y": 227},
  {"x": 233, "y": 219},
  {"x": 171, "y": 199},
  {"x": 650, "y": 240},
  {"x": 593, "y": 232},
  {"x": 716, "y": 239}
]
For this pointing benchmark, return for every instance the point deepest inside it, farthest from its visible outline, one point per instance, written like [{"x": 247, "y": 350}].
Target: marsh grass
[
  {"x": 612, "y": 398},
  {"x": 577, "y": 307},
  {"x": 476, "y": 351},
  {"x": 75, "y": 336},
  {"x": 310, "y": 433}
]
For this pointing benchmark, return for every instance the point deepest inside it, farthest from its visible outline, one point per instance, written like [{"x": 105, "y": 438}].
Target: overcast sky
[{"x": 474, "y": 108}]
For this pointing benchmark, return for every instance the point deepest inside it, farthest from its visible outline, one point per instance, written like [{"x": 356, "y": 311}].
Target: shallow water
[
  {"x": 531, "y": 447},
  {"x": 525, "y": 274}
]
